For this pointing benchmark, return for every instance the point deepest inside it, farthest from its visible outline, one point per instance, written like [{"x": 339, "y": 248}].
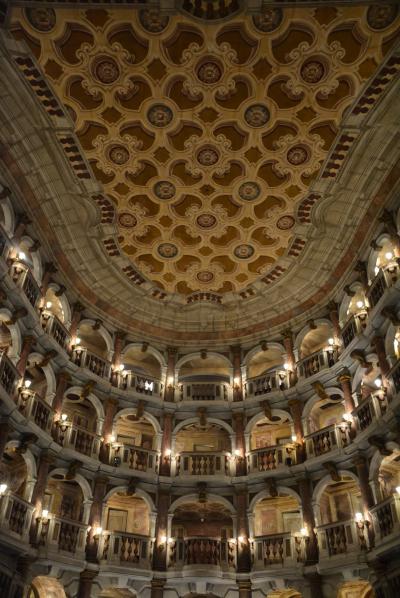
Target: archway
[
  {"x": 202, "y": 449},
  {"x": 266, "y": 371},
  {"x": 204, "y": 377},
  {"x": 135, "y": 442},
  {"x": 46, "y": 587},
  {"x": 270, "y": 441}
]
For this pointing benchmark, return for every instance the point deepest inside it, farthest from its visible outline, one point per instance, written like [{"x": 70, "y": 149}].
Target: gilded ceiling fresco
[{"x": 207, "y": 137}]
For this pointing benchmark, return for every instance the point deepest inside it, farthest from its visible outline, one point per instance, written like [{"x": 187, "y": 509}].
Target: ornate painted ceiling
[{"x": 207, "y": 138}]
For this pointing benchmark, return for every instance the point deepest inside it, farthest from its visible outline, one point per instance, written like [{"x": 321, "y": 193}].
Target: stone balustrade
[
  {"x": 283, "y": 549},
  {"x": 316, "y": 362},
  {"x": 353, "y": 327},
  {"x": 271, "y": 457},
  {"x": 370, "y": 409},
  {"x": 62, "y": 535},
  {"x": 55, "y": 328},
  {"x": 204, "y": 391},
  {"x": 125, "y": 549},
  {"x": 32, "y": 406},
  {"x": 342, "y": 537},
  {"x": 9, "y": 376},
  {"x": 72, "y": 436},
  {"x": 84, "y": 358},
  {"x": 15, "y": 516},
  {"x": 24, "y": 279},
  {"x": 327, "y": 439},
  {"x": 386, "y": 518},
  {"x": 270, "y": 382},
  {"x": 134, "y": 457},
  {"x": 188, "y": 463},
  {"x": 146, "y": 385},
  {"x": 197, "y": 551}
]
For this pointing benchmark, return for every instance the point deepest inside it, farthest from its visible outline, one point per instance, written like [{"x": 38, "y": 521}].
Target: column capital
[
  {"x": 101, "y": 480},
  {"x": 29, "y": 339},
  {"x": 46, "y": 457},
  {"x": 332, "y": 306},
  {"x": 158, "y": 583},
  {"x": 110, "y": 401},
  {"x": 359, "y": 460},
  {"x": 64, "y": 376},
  {"x": 287, "y": 333},
  {"x": 344, "y": 376},
  {"x": 78, "y": 307},
  {"x": 244, "y": 584},
  {"x": 50, "y": 267},
  {"x": 295, "y": 403},
  {"x": 88, "y": 574},
  {"x": 172, "y": 350},
  {"x": 120, "y": 334}
]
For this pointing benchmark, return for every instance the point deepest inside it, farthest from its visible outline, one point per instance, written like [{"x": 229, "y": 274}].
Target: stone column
[
  {"x": 378, "y": 343},
  {"x": 237, "y": 373},
  {"x": 85, "y": 583},
  {"x": 344, "y": 379},
  {"x": 110, "y": 409},
  {"x": 334, "y": 317},
  {"x": 315, "y": 585},
  {"x": 49, "y": 270},
  {"x": 305, "y": 491},
  {"x": 165, "y": 465},
  {"x": 291, "y": 359},
  {"x": 240, "y": 456},
  {"x": 4, "y": 432},
  {"x": 95, "y": 517},
  {"x": 169, "y": 394},
  {"x": 118, "y": 346},
  {"x": 45, "y": 460},
  {"x": 63, "y": 379},
  {"x": 243, "y": 545},
  {"x": 244, "y": 588},
  {"x": 75, "y": 319},
  {"x": 23, "y": 221},
  {"x": 161, "y": 546},
  {"x": 157, "y": 588},
  {"x": 296, "y": 410},
  {"x": 362, "y": 468},
  {"x": 27, "y": 345}
]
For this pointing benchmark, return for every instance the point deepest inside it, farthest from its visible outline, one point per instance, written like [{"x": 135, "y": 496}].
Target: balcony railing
[
  {"x": 284, "y": 549},
  {"x": 377, "y": 288},
  {"x": 203, "y": 464},
  {"x": 146, "y": 385},
  {"x": 328, "y": 439},
  {"x": 9, "y": 375},
  {"x": 314, "y": 363},
  {"x": 202, "y": 551},
  {"x": 386, "y": 517},
  {"x": 260, "y": 385},
  {"x": 56, "y": 329},
  {"x": 15, "y": 516},
  {"x": 353, "y": 327},
  {"x": 342, "y": 538},
  {"x": 134, "y": 457},
  {"x": 24, "y": 279},
  {"x": 33, "y": 407},
  {"x": 394, "y": 376},
  {"x": 204, "y": 391},
  {"x": 271, "y": 457},
  {"x": 78, "y": 439},
  {"x": 84, "y": 358},
  {"x": 121, "y": 548},
  {"x": 62, "y": 535},
  {"x": 370, "y": 409}
]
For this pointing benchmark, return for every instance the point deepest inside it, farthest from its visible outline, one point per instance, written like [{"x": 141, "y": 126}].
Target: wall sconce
[
  {"x": 358, "y": 517},
  {"x": 389, "y": 255},
  {"x": 241, "y": 539},
  {"x": 21, "y": 256},
  {"x": 112, "y": 439},
  {"x": 45, "y": 515},
  {"x": 398, "y": 490},
  {"x": 304, "y": 532},
  {"x": 331, "y": 341},
  {"x": 98, "y": 531},
  {"x": 378, "y": 382},
  {"x": 76, "y": 342},
  {"x": 3, "y": 489},
  {"x": 170, "y": 381},
  {"x": 236, "y": 381},
  {"x": 27, "y": 383},
  {"x": 237, "y": 453},
  {"x": 347, "y": 417},
  {"x": 64, "y": 417},
  {"x": 360, "y": 304},
  {"x": 48, "y": 304},
  {"x": 286, "y": 367},
  {"x": 163, "y": 540}
]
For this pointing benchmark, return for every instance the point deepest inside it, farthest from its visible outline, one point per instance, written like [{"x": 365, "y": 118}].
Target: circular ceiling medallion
[
  {"x": 106, "y": 70},
  {"x": 164, "y": 190},
  {"x": 207, "y": 156},
  {"x": 167, "y": 250},
  {"x": 297, "y": 155},
  {"x": 42, "y": 19},
  {"x": 257, "y": 115},
  {"x": 127, "y": 220},
  {"x": 312, "y": 71},
  {"x": 249, "y": 191},
  {"x": 285, "y": 222},
  {"x": 205, "y": 276},
  {"x": 118, "y": 154},
  {"x": 152, "y": 21},
  {"x": 159, "y": 115},
  {"x": 380, "y": 16},
  {"x": 206, "y": 220},
  {"x": 268, "y": 20},
  {"x": 209, "y": 72},
  {"x": 243, "y": 252}
]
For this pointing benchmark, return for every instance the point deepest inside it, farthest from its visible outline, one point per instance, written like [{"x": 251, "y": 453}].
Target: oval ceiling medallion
[
  {"x": 207, "y": 156},
  {"x": 256, "y": 115},
  {"x": 127, "y": 220},
  {"x": 312, "y": 71},
  {"x": 42, "y": 19},
  {"x": 206, "y": 220},
  {"x": 205, "y": 276},
  {"x": 118, "y": 154},
  {"x": 209, "y": 72},
  {"x": 164, "y": 190},
  {"x": 167, "y": 250},
  {"x": 105, "y": 69},
  {"x": 159, "y": 115},
  {"x": 268, "y": 20},
  {"x": 244, "y": 252},
  {"x": 380, "y": 16},
  {"x": 249, "y": 191},
  {"x": 298, "y": 155},
  {"x": 152, "y": 21},
  {"x": 285, "y": 222}
]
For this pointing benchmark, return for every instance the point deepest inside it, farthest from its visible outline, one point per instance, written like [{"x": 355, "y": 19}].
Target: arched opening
[
  {"x": 140, "y": 370},
  {"x": 127, "y": 530},
  {"x": 64, "y": 513},
  {"x": 52, "y": 305},
  {"x": 134, "y": 443},
  {"x": 372, "y": 401},
  {"x": 342, "y": 526},
  {"x": 389, "y": 476},
  {"x": 202, "y": 534},
  {"x": 354, "y": 318},
  {"x": 266, "y": 372},
  {"x": 15, "y": 492},
  {"x": 202, "y": 449},
  {"x": 78, "y": 425},
  {"x": 326, "y": 426},
  {"x": 382, "y": 269},
  {"x": 46, "y": 587},
  {"x": 6, "y": 343},
  {"x": 386, "y": 513},
  {"x": 317, "y": 350},
  {"x": 204, "y": 378},
  {"x": 35, "y": 378},
  {"x": 53, "y": 318},
  {"x": 272, "y": 443},
  {"x": 35, "y": 393},
  {"x": 90, "y": 350}
]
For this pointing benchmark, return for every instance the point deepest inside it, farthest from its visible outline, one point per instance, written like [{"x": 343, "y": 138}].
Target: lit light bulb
[
  {"x": 112, "y": 438},
  {"x": 304, "y": 532},
  {"x": 64, "y": 417},
  {"x": 358, "y": 517},
  {"x": 48, "y": 304},
  {"x": 237, "y": 452},
  {"x": 22, "y": 255},
  {"x": 168, "y": 452},
  {"x": 3, "y": 488},
  {"x": 347, "y": 417},
  {"x": 331, "y": 341},
  {"x": 98, "y": 531},
  {"x": 294, "y": 438},
  {"x": 45, "y": 513},
  {"x": 286, "y": 366},
  {"x": 376, "y": 270},
  {"x": 378, "y": 382},
  {"x": 27, "y": 383},
  {"x": 388, "y": 255},
  {"x": 241, "y": 538},
  {"x": 163, "y": 539},
  {"x": 360, "y": 304},
  {"x": 77, "y": 341},
  {"x": 398, "y": 490},
  {"x": 121, "y": 367}
]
